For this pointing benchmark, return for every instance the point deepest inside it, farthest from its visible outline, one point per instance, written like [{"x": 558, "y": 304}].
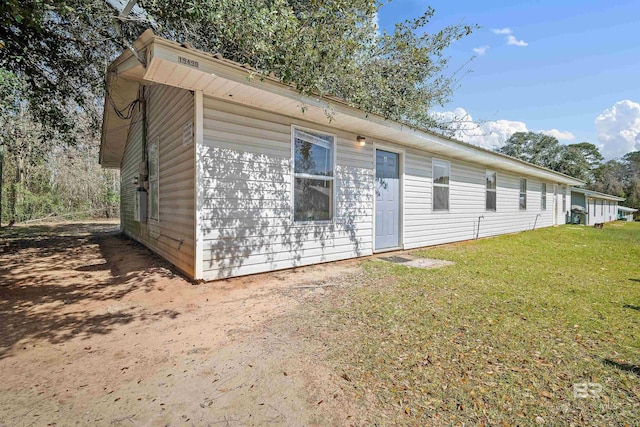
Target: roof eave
[
  {"x": 123, "y": 76},
  {"x": 598, "y": 195}
]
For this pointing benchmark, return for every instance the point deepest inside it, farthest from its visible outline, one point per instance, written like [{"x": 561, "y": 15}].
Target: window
[
  {"x": 564, "y": 199},
  {"x": 523, "y": 194},
  {"x": 594, "y": 206},
  {"x": 601, "y": 207},
  {"x": 313, "y": 174},
  {"x": 441, "y": 171},
  {"x": 543, "y": 197},
  {"x": 490, "y": 203},
  {"x": 153, "y": 180}
]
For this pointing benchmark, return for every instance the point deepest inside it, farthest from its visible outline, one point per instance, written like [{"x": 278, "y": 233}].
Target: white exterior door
[{"x": 387, "y": 200}]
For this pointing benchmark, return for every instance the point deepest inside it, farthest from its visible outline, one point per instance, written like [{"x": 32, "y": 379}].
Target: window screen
[
  {"x": 491, "y": 184},
  {"x": 313, "y": 175},
  {"x": 523, "y": 194},
  {"x": 441, "y": 171}
]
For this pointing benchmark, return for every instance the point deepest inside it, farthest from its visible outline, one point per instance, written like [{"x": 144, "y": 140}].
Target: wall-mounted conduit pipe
[
  {"x": 536, "y": 221},
  {"x": 478, "y": 229}
]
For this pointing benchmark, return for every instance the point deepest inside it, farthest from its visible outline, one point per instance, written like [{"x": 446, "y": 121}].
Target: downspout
[
  {"x": 143, "y": 106},
  {"x": 478, "y": 229},
  {"x": 536, "y": 221}
]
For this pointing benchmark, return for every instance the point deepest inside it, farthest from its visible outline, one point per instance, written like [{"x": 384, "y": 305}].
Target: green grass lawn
[{"x": 500, "y": 338}]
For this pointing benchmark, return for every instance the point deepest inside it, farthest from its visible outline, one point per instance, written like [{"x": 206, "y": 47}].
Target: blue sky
[{"x": 572, "y": 68}]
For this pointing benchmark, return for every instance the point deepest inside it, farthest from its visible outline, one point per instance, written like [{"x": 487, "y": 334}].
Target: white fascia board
[{"x": 597, "y": 195}]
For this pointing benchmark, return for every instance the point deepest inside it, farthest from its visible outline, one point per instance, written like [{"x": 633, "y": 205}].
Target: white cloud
[
  {"x": 503, "y": 31},
  {"x": 618, "y": 129},
  {"x": 560, "y": 135},
  {"x": 512, "y": 41},
  {"x": 481, "y": 50},
  {"x": 492, "y": 134}
]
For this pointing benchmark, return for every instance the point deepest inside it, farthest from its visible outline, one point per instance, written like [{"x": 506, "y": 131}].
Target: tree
[
  {"x": 41, "y": 174},
  {"x": 632, "y": 161},
  {"x": 334, "y": 49},
  {"x": 576, "y": 160},
  {"x": 631, "y": 179},
  {"x": 609, "y": 178},
  {"x": 56, "y": 52},
  {"x": 20, "y": 138},
  {"x": 537, "y": 148},
  {"x": 60, "y": 48},
  {"x": 579, "y": 160},
  {"x": 589, "y": 152}
]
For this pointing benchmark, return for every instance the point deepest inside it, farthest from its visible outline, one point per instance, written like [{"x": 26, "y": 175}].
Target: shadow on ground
[
  {"x": 635, "y": 369},
  {"x": 48, "y": 274}
]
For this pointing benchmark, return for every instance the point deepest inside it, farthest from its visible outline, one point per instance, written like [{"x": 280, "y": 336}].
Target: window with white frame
[
  {"x": 441, "y": 173},
  {"x": 313, "y": 175},
  {"x": 543, "y": 197},
  {"x": 154, "y": 193},
  {"x": 564, "y": 199},
  {"x": 491, "y": 184},
  {"x": 523, "y": 194},
  {"x": 601, "y": 207}
]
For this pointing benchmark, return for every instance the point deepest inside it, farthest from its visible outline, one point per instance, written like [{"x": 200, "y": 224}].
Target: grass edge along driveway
[{"x": 535, "y": 328}]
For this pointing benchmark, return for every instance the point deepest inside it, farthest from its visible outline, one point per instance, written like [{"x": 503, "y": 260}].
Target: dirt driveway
[{"x": 96, "y": 330}]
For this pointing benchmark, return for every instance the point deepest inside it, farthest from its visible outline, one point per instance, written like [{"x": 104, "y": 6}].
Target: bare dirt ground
[{"x": 96, "y": 330}]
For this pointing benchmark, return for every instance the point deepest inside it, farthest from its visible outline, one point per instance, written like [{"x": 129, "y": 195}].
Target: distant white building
[
  {"x": 626, "y": 213},
  {"x": 595, "y": 207}
]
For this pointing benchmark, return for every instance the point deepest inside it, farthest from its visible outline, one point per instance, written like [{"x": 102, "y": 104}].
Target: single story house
[
  {"x": 625, "y": 213},
  {"x": 596, "y": 208},
  {"x": 226, "y": 173}
]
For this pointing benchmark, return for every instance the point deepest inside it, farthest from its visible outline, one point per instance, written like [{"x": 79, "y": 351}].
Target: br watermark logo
[{"x": 587, "y": 390}]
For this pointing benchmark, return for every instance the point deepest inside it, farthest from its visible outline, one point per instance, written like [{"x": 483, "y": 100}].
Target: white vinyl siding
[
  {"x": 245, "y": 194},
  {"x": 247, "y": 224},
  {"x": 601, "y": 210},
  {"x": 168, "y": 110},
  {"x": 425, "y": 227}
]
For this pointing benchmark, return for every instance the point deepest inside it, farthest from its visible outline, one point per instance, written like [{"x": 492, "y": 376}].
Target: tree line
[
  {"x": 618, "y": 177},
  {"x": 42, "y": 174}
]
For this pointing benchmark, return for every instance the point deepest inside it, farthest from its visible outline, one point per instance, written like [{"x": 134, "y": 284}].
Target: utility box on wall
[{"x": 140, "y": 205}]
